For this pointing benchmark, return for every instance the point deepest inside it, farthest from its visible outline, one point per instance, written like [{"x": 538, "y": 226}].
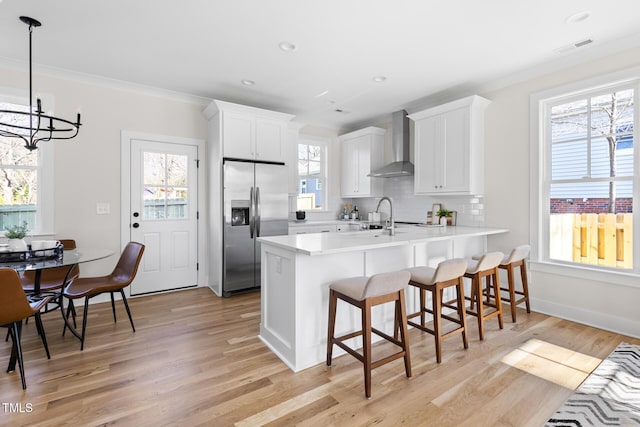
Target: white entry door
[{"x": 164, "y": 191}]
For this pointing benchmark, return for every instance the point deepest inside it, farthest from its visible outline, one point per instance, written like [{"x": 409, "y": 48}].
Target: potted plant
[
  {"x": 444, "y": 216},
  {"x": 16, "y": 234}
]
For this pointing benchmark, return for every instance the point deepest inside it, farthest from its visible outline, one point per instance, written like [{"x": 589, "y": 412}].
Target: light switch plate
[{"x": 103, "y": 208}]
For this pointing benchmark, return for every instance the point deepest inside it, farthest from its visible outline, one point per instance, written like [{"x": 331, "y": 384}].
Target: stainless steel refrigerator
[{"x": 255, "y": 205}]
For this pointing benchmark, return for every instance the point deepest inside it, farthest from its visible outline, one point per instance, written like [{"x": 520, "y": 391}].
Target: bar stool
[
  {"x": 448, "y": 274},
  {"x": 364, "y": 293},
  {"x": 516, "y": 259},
  {"x": 484, "y": 267}
]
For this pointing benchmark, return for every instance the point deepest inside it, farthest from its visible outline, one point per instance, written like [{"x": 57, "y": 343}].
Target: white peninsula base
[{"x": 297, "y": 271}]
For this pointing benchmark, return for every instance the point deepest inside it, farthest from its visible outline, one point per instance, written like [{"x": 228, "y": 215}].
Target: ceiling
[{"x": 428, "y": 51}]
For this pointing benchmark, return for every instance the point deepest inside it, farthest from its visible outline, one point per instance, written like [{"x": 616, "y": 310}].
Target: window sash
[
  {"x": 540, "y": 180},
  {"x": 44, "y": 169},
  {"x": 309, "y": 159}
]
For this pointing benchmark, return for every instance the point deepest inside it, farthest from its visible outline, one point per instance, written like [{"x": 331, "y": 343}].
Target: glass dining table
[{"x": 68, "y": 258}]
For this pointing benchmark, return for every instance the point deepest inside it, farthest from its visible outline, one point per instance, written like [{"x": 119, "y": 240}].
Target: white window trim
[
  {"x": 326, "y": 144},
  {"x": 539, "y": 191},
  {"x": 45, "y": 216}
]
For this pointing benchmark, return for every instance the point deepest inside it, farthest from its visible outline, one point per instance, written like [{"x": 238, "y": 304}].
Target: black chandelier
[{"x": 40, "y": 127}]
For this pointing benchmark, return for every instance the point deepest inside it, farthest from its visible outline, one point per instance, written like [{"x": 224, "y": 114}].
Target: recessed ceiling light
[
  {"x": 287, "y": 46},
  {"x": 247, "y": 82},
  {"x": 578, "y": 17},
  {"x": 323, "y": 93},
  {"x": 379, "y": 79}
]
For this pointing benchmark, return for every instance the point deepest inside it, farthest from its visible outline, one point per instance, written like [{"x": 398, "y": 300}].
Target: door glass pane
[
  {"x": 165, "y": 186},
  {"x": 177, "y": 203},
  {"x": 154, "y": 169},
  {"x": 154, "y": 203},
  {"x": 176, "y": 169}
]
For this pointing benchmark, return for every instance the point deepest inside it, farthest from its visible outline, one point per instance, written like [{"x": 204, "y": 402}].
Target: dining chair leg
[
  {"x": 43, "y": 337},
  {"x": 84, "y": 322},
  {"x": 113, "y": 307},
  {"x": 70, "y": 310},
  {"x": 16, "y": 352},
  {"x": 126, "y": 305}
]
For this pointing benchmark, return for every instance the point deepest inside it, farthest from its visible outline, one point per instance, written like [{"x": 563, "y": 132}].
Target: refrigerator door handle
[
  {"x": 252, "y": 223},
  {"x": 258, "y": 209}
]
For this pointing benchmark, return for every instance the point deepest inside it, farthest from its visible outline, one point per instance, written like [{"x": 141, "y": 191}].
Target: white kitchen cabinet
[
  {"x": 362, "y": 151},
  {"x": 253, "y": 133},
  {"x": 308, "y": 229},
  {"x": 449, "y": 148}
]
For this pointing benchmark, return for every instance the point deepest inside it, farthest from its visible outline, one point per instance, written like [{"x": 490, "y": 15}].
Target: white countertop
[{"x": 328, "y": 243}]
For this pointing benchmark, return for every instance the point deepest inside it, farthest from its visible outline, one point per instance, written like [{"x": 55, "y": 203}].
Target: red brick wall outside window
[{"x": 623, "y": 205}]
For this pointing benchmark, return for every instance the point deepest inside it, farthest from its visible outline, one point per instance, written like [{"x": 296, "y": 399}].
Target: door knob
[
  {"x": 136, "y": 214},
  {"x": 136, "y": 225}
]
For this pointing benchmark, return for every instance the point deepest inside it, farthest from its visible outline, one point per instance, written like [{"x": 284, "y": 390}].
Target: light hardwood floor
[{"x": 196, "y": 360}]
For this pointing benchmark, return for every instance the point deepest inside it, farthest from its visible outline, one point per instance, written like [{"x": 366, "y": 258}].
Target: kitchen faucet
[{"x": 392, "y": 227}]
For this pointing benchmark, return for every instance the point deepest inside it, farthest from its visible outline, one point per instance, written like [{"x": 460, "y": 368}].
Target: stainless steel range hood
[{"x": 401, "y": 165}]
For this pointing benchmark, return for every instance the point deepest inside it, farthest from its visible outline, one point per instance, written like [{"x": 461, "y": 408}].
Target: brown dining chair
[
  {"x": 89, "y": 287},
  {"x": 52, "y": 279},
  {"x": 14, "y": 308}
]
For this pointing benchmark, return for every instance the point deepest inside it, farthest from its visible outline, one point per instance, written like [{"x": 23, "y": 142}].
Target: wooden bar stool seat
[
  {"x": 448, "y": 274},
  {"x": 484, "y": 267},
  {"x": 364, "y": 293},
  {"x": 517, "y": 258}
]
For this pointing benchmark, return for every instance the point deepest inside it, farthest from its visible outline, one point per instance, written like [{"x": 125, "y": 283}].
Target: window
[
  {"x": 587, "y": 185},
  {"x": 26, "y": 180},
  {"x": 312, "y": 166}
]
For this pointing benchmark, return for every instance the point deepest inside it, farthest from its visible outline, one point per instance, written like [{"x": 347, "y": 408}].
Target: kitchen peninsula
[{"x": 297, "y": 271}]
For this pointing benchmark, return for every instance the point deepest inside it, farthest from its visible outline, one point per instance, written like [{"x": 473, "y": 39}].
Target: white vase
[
  {"x": 443, "y": 221},
  {"x": 17, "y": 245}
]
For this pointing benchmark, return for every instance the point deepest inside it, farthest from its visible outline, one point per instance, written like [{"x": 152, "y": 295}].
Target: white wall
[
  {"x": 603, "y": 304},
  {"x": 87, "y": 168}
]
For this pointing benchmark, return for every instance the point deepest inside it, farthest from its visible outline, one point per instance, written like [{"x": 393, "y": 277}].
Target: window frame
[
  {"x": 45, "y": 170},
  {"x": 324, "y": 167},
  {"x": 540, "y": 162}
]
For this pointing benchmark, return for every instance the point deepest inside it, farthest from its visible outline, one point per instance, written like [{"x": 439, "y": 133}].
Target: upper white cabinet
[
  {"x": 449, "y": 147},
  {"x": 362, "y": 151},
  {"x": 252, "y": 133}
]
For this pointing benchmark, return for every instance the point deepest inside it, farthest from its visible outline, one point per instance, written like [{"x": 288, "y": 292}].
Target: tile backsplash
[{"x": 413, "y": 208}]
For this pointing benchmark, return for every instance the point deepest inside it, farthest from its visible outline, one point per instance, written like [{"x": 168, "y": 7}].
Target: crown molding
[{"x": 105, "y": 82}]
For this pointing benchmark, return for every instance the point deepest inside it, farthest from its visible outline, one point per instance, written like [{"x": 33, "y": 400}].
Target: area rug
[{"x": 610, "y": 396}]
